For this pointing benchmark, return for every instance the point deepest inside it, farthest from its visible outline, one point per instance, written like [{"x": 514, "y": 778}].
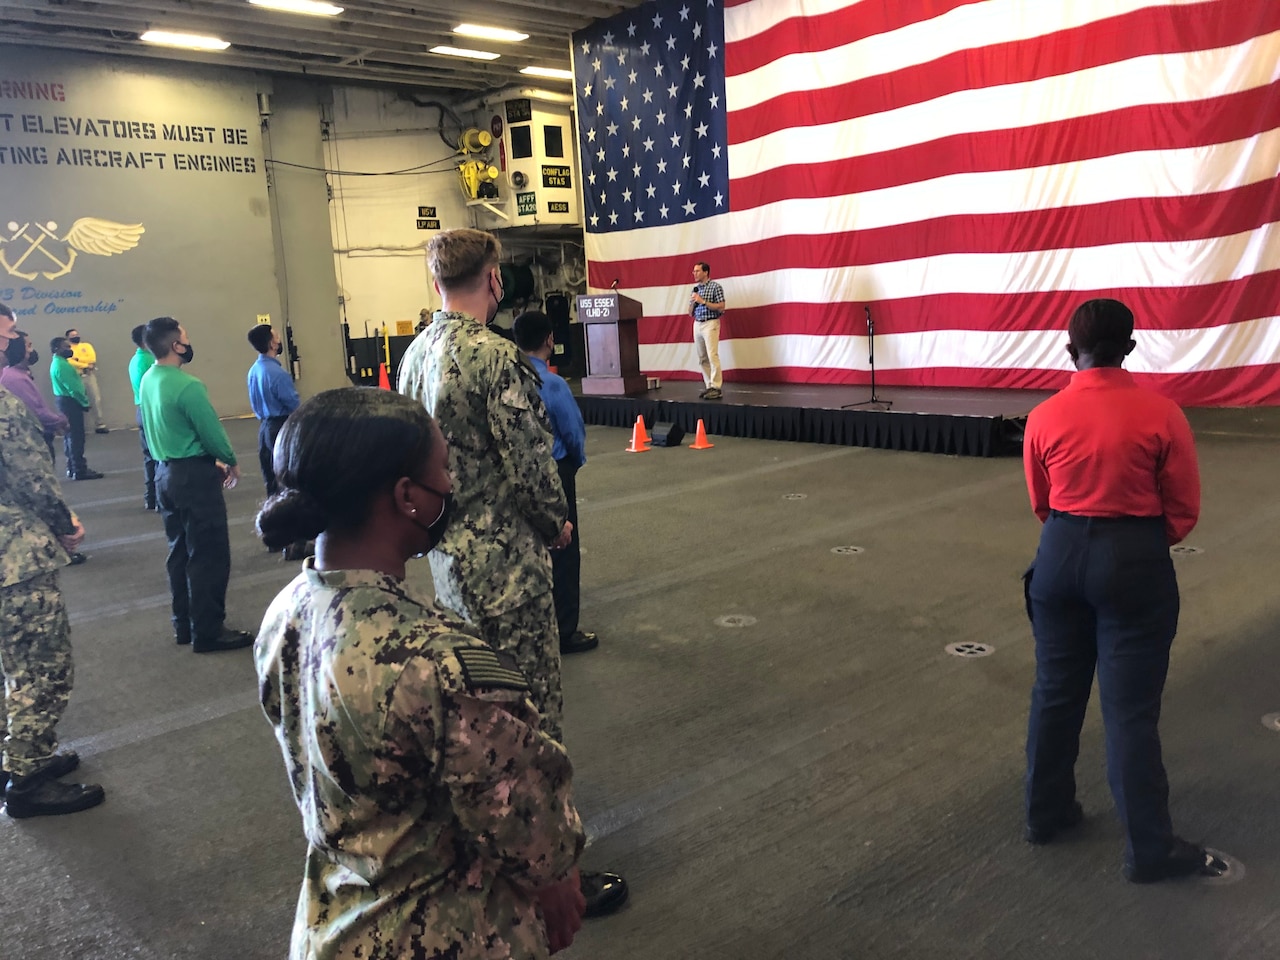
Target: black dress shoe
[
  {"x": 579, "y": 642},
  {"x": 102, "y": 430},
  {"x": 77, "y": 559},
  {"x": 604, "y": 893},
  {"x": 227, "y": 640},
  {"x": 37, "y": 797},
  {"x": 1184, "y": 860},
  {"x": 1040, "y": 834}
]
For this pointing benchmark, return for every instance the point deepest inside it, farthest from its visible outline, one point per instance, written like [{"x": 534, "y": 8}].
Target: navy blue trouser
[
  {"x": 566, "y": 564},
  {"x": 1102, "y": 592},
  {"x": 268, "y": 430},
  {"x": 73, "y": 440},
  {"x": 148, "y": 463},
  {"x": 189, "y": 493}
]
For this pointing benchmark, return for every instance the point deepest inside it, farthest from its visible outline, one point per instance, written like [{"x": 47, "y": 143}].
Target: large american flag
[{"x": 972, "y": 171}]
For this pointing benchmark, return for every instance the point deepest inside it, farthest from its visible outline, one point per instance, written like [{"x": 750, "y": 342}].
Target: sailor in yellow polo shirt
[{"x": 85, "y": 359}]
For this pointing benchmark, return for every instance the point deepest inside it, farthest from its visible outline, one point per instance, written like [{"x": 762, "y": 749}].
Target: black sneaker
[
  {"x": 102, "y": 430},
  {"x": 1184, "y": 860},
  {"x": 39, "y": 797},
  {"x": 227, "y": 640},
  {"x": 77, "y": 559},
  {"x": 87, "y": 474}
]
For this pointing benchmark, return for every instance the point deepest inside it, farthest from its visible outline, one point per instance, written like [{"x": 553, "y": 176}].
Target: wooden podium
[{"x": 613, "y": 344}]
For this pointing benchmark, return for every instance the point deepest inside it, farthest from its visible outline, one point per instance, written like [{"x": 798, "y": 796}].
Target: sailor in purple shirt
[{"x": 16, "y": 378}]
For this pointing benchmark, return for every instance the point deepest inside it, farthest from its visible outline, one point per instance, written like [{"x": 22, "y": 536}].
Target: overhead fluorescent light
[
  {"x": 553, "y": 73},
  {"x": 459, "y": 52},
  {"x": 489, "y": 33},
  {"x": 312, "y": 8},
  {"x": 187, "y": 41}
]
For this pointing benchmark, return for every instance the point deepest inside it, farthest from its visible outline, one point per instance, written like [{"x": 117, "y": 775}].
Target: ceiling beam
[
  {"x": 242, "y": 22},
  {"x": 445, "y": 86}
]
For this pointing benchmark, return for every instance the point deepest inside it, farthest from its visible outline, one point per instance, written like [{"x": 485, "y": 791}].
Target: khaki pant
[
  {"x": 706, "y": 337},
  {"x": 90, "y": 378}
]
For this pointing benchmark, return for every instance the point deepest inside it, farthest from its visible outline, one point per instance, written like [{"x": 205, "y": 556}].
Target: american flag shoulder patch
[{"x": 482, "y": 667}]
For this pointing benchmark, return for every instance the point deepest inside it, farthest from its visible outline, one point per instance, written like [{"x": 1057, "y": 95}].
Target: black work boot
[{"x": 38, "y": 796}]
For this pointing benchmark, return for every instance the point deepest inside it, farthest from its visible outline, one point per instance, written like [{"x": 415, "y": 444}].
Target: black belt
[
  {"x": 206, "y": 458},
  {"x": 1079, "y": 518}
]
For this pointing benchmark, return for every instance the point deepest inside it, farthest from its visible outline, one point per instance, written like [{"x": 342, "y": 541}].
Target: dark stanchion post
[{"x": 873, "y": 401}]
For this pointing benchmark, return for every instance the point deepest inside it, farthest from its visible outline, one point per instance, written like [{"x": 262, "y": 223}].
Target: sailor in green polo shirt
[
  {"x": 194, "y": 461},
  {"x": 72, "y": 401},
  {"x": 139, "y": 364}
]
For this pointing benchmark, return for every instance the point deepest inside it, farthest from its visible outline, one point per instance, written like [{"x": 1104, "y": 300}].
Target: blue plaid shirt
[{"x": 712, "y": 292}]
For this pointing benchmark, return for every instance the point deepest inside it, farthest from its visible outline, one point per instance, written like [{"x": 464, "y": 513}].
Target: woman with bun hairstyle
[{"x": 439, "y": 820}]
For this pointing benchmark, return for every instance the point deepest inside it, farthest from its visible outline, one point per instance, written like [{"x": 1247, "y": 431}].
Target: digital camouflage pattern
[
  {"x": 509, "y": 501},
  {"x": 32, "y": 512},
  {"x": 431, "y": 803},
  {"x": 35, "y": 634},
  {"x": 530, "y": 634},
  {"x": 35, "y": 657}
]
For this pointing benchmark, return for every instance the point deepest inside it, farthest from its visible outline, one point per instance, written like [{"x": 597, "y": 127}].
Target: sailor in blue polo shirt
[
  {"x": 537, "y": 342},
  {"x": 272, "y": 396}
]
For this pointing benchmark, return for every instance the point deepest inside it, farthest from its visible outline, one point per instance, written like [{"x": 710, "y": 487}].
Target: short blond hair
[{"x": 458, "y": 258}]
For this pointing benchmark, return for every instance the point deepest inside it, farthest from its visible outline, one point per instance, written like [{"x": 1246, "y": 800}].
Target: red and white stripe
[{"x": 973, "y": 171}]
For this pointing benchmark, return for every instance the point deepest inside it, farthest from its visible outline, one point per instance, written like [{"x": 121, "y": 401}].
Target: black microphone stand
[{"x": 874, "y": 401}]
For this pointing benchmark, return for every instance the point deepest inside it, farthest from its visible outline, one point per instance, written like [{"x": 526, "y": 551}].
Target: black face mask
[
  {"x": 186, "y": 356},
  {"x": 33, "y": 357},
  {"x": 74, "y": 339},
  {"x": 497, "y": 300},
  {"x": 66, "y": 353},
  {"x": 436, "y": 528}
]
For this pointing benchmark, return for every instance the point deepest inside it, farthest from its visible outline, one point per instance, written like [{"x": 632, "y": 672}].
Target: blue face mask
[{"x": 436, "y": 528}]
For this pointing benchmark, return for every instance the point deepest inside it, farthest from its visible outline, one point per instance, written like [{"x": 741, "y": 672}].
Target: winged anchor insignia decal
[{"x": 35, "y": 249}]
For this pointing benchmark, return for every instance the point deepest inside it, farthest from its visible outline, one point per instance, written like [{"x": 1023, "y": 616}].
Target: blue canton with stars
[{"x": 651, "y": 116}]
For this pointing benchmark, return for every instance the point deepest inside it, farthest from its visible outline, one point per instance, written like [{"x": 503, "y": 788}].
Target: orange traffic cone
[
  {"x": 700, "y": 441},
  {"x": 639, "y": 439},
  {"x": 384, "y": 381}
]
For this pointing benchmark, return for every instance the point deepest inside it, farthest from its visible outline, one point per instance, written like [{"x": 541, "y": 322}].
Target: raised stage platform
[{"x": 971, "y": 423}]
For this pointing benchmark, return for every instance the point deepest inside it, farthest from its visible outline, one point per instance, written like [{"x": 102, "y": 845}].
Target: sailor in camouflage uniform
[
  {"x": 36, "y": 531},
  {"x": 492, "y": 566},
  {"x": 438, "y": 817}
]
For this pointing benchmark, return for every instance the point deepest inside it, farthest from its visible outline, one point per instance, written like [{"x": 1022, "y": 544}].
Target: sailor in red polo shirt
[{"x": 1111, "y": 469}]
